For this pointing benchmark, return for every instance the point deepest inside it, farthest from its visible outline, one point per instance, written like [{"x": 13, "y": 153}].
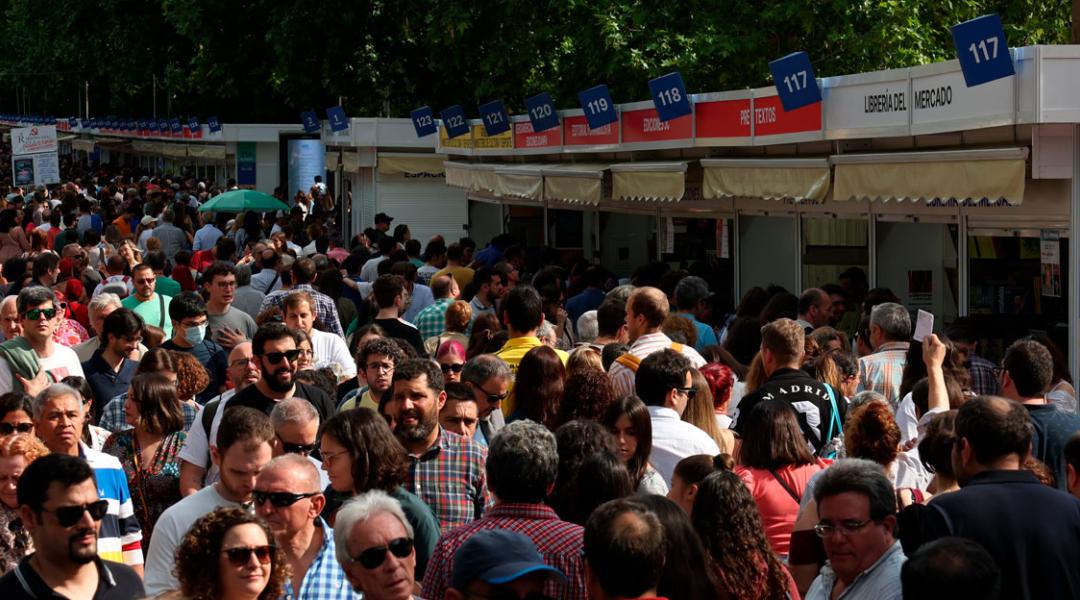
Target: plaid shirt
[
  {"x": 559, "y": 542},
  {"x": 449, "y": 477},
  {"x": 432, "y": 320},
  {"x": 883, "y": 371},
  {"x": 324, "y": 579},
  {"x": 114, "y": 419},
  {"x": 325, "y": 309},
  {"x": 984, "y": 381}
]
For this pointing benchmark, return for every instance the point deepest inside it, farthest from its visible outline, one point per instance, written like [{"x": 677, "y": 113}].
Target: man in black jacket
[{"x": 782, "y": 348}]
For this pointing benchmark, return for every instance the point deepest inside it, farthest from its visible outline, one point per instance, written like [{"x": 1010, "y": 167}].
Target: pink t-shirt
[{"x": 778, "y": 509}]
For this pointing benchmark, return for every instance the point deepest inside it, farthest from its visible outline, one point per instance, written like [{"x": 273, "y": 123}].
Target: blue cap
[{"x": 498, "y": 556}]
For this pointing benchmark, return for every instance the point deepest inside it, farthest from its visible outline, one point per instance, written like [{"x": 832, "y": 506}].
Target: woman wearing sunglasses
[
  {"x": 451, "y": 358},
  {"x": 361, "y": 454},
  {"x": 229, "y": 555},
  {"x": 149, "y": 451},
  {"x": 17, "y": 450}
]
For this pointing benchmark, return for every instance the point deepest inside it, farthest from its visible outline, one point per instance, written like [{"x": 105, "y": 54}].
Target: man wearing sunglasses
[
  {"x": 489, "y": 377},
  {"x": 288, "y": 495},
  {"x": 664, "y": 384},
  {"x": 60, "y": 507},
  {"x": 34, "y": 358},
  {"x": 151, "y": 306},
  {"x": 275, "y": 350},
  {"x": 296, "y": 429},
  {"x": 374, "y": 545}
]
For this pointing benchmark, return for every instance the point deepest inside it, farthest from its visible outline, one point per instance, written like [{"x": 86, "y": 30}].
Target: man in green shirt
[
  {"x": 166, "y": 286},
  {"x": 151, "y": 306}
]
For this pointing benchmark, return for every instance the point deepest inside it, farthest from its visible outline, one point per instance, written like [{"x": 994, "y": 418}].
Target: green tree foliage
[{"x": 265, "y": 60}]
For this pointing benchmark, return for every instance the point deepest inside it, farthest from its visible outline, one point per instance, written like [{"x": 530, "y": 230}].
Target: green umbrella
[{"x": 243, "y": 200}]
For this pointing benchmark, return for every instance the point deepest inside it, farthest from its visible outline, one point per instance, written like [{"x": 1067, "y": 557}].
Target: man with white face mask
[{"x": 188, "y": 314}]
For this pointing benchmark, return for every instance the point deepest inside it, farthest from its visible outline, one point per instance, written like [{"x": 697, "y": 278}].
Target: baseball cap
[
  {"x": 383, "y": 218},
  {"x": 148, "y": 220},
  {"x": 498, "y": 556}
]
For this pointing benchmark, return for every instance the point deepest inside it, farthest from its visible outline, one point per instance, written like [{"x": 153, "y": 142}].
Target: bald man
[
  {"x": 288, "y": 496},
  {"x": 646, "y": 310},
  {"x": 9, "y": 317}
]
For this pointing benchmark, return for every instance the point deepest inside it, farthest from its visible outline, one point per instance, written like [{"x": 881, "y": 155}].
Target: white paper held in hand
[{"x": 924, "y": 325}]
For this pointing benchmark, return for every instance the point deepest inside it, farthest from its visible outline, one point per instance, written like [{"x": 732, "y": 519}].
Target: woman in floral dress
[{"x": 148, "y": 452}]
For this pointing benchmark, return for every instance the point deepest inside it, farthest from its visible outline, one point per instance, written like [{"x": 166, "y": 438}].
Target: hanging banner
[
  {"x": 245, "y": 163},
  {"x": 453, "y": 121},
  {"x": 542, "y": 112},
  {"x": 1050, "y": 257},
  {"x": 577, "y": 133},
  {"x": 338, "y": 121},
  {"x": 493, "y": 114},
  {"x": 526, "y": 139}
]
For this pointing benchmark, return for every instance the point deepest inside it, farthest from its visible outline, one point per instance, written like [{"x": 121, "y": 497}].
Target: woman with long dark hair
[
  {"x": 686, "y": 574},
  {"x": 538, "y": 387},
  {"x": 628, "y": 420},
  {"x": 742, "y": 562}
]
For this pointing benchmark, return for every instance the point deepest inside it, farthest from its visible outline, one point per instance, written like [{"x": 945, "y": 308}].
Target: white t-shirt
[
  {"x": 169, "y": 532},
  {"x": 330, "y": 351},
  {"x": 196, "y": 448},
  {"x": 62, "y": 363}
]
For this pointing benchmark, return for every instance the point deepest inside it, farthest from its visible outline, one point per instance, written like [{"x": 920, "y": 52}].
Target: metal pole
[
  {"x": 1074, "y": 254},
  {"x": 86, "y": 99},
  {"x": 154, "y": 96}
]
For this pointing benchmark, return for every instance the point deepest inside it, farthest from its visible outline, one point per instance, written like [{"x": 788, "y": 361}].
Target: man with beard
[
  {"x": 150, "y": 305},
  {"x": 446, "y": 470},
  {"x": 275, "y": 351},
  {"x": 60, "y": 508}
]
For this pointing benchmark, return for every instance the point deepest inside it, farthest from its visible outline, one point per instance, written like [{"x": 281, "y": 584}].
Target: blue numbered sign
[
  {"x": 982, "y": 50},
  {"x": 453, "y": 119},
  {"x": 423, "y": 120},
  {"x": 174, "y": 123},
  {"x": 542, "y": 112},
  {"x": 494, "y": 116},
  {"x": 337, "y": 118},
  {"x": 72, "y": 122},
  {"x": 213, "y": 124},
  {"x": 310, "y": 120},
  {"x": 795, "y": 81},
  {"x": 598, "y": 106},
  {"x": 669, "y": 96},
  {"x": 193, "y": 124}
]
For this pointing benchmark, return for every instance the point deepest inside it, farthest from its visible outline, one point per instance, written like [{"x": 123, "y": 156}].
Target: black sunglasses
[
  {"x": 455, "y": 368},
  {"x": 491, "y": 398},
  {"x": 301, "y": 449},
  {"x": 239, "y": 557},
  {"x": 35, "y": 313},
  {"x": 373, "y": 557},
  {"x": 280, "y": 499},
  {"x": 10, "y": 428},
  {"x": 70, "y": 515},
  {"x": 275, "y": 357},
  {"x": 689, "y": 391}
]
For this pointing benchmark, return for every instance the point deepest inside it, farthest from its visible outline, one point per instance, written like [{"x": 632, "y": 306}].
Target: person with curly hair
[
  {"x": 587, "y": 395},
  {"x": 361, "y": 454},
  {"x": 871, "y": 433},
  {"x": 743, "y": 564},
  {"x": 17, "y": 451},
  {"x": 229, "y": 554},
  {"x": 191, "y": 377}
]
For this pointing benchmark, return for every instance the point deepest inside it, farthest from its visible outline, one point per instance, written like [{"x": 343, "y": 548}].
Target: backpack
[
  {"x": 633, "y": 363},
  {"x": 833, "y": 443}
]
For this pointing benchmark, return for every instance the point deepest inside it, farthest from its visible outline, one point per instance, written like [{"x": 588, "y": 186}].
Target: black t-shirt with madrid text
[{"x": 808, "y": 396}]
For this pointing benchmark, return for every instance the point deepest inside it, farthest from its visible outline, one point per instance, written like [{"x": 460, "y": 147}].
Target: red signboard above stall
[
  {"x": 526, "y": 140},
  {"x": 722, "y": 121},
  {"x": 770, "y": 119},
  {"x": 578, "y": 136},
  {"x": 642, "y": 129}
]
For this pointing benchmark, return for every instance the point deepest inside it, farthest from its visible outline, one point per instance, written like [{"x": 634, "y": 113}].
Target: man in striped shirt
[
  {"x": 646, "y": 310},
  {"x": 432, "y": 320},
  {"x": 58, "y": 421},
  {"x": 882, "y": 371}
]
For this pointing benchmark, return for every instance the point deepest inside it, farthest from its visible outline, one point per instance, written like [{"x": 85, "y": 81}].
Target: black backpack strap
[{"x": 787, "y": 487}]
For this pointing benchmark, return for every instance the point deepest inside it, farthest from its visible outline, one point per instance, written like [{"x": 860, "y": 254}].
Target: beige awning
[
  {"x": 332, "y": 160},
  {"x": 574, "y": 183},
  {"x": 174, "y": 150},
  {"x": 414, "y": 164},
  {"x": 651, "y": 182},
  {"x": 212, "y": 152},
  {"x": 472, "y": 176},
  {"x": 84, "y": 145},
  {"x": 520, "y": 181},
  {"x": 799, "y": 179},
  {"x": 350, "y": 162},
  {"x": 992, "y": 175},
  {"x": 458, "y": 174}
]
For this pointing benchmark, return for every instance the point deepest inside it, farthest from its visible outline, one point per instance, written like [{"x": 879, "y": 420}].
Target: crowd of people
[{"x": 239, "y": 407}]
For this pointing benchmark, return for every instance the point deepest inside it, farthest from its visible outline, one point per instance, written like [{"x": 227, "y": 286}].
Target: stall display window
[
  {"x": 704, "y": 247},
  {"x": 526, "y": 223},
  {"x": 831, "y": 246},
  {"x": 918, "y": 262},
  {"x": 566, "y": 229},
  {"x": 1016, "y": 289},
  {"x": 768, "y": 252}
]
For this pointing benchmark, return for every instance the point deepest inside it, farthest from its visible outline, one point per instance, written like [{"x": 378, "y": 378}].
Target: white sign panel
[
  {"x": 854, "y": 109},
  {"x": 942, "y": 101},
  {"x": 46, "y": 169},
  {"x": 32, "y": 140}
]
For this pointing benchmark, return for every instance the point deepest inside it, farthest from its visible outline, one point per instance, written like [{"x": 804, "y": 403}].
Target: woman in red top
[{"x": 776, "y": 462}]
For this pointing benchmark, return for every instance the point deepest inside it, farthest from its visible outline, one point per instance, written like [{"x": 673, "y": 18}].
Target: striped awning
[
  {"x": 798, "y": 179},
  {"x": 649, "y": 182}
]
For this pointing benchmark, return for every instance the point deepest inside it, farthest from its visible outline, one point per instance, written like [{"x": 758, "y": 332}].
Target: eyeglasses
[
  {"x": 373, "y": 557},
  {"x": 279, "y": 499},
  {"x": 301, "y": 449},
  {"x": 689, "y": 391},
  {"x": 846, "y": 528},
  {"x": 35, "y": 313},
  {"x": 239, "y": 557},
  {"x": 328, "y": 458},
  {"x": 70, "y": 515},
  {"x": 491, "y": 398},
  {"x": 242, "y": 362},
  {"x": 381, "y": 367},
  {"x": 10, "y": 428},
  {"x": 456, "y": 368},
  {"x": 275, "y": 357}
]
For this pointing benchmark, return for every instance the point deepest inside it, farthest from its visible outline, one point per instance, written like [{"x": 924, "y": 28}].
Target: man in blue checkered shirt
[
  {"x": 288, "y": 496},
  {"x": 432, "y": 320}
]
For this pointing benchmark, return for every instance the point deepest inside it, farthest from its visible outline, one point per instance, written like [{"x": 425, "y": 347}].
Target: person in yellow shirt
[
  {"x": 456, "y": 265},
  {"x": 523, "y": 312}
]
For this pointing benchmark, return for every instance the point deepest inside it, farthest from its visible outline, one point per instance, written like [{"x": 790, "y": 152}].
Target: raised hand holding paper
[{"x": 924, "y": 325}]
